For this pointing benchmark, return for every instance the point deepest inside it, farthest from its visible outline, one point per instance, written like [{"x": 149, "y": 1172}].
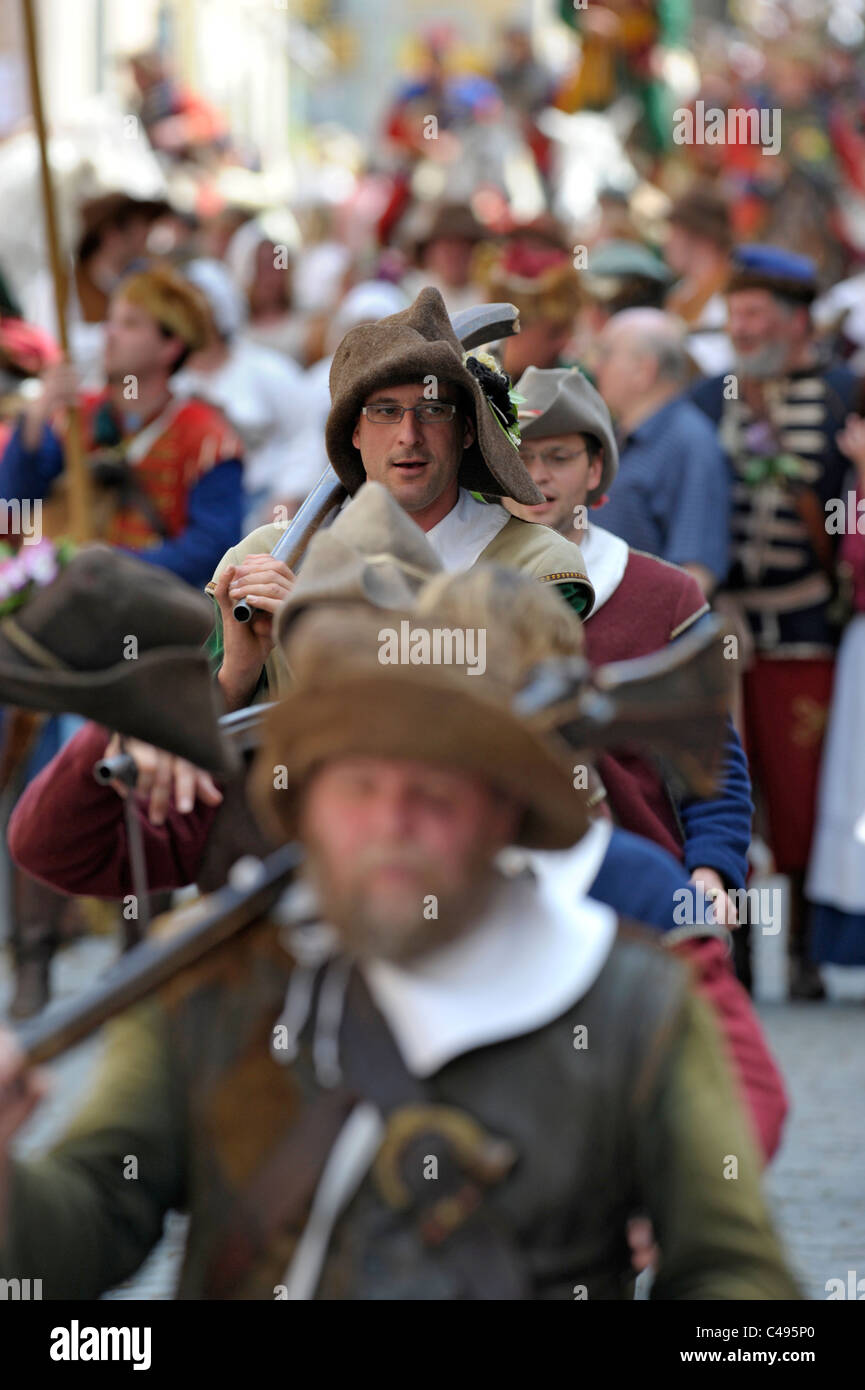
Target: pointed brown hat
[{"x": 417, "y": 343}]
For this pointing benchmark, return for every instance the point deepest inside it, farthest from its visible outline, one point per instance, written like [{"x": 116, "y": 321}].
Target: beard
[
  {"x": 763, "y": 364},
  {"x": 395, "y": 904}
]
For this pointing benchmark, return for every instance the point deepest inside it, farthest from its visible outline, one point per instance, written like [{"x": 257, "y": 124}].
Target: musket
[
  {"x": 208, "y": 923},
  {"x": 675, "y": 700},
  {"x": 673, "y": 703},
  {"x": 240, "y": 727},
  {"x": 482, "y": 323}
]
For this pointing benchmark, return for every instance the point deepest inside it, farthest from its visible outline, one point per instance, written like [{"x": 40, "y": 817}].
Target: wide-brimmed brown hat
[
  {"x": 561, "y": 400},
  {"x": 373, "y": 553},
  {"x": 347, "y": 701},
  {"x": 417, "y": 343},
  {"x": 120, "y": 642}
]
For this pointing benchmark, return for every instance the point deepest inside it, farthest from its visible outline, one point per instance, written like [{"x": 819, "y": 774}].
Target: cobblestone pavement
[{"x": 815, "y": 1184}]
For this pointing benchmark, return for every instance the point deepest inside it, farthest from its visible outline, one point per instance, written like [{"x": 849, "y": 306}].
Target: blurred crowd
[{"x": 714, "y": 293}]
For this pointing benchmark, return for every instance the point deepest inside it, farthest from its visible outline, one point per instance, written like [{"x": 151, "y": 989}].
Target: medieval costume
[
  {"x": 290, "y": 1095},
  {"x": 786, "y": 467},
  {"x": 372, "y": 547},
  {"x": 641, "y": 604},
  {"x": 171, "y": 488},
  {"x": 419, "y": 343}
]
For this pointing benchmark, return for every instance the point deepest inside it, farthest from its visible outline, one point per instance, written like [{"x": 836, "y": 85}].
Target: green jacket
[{"x": 644, "y": 1118}]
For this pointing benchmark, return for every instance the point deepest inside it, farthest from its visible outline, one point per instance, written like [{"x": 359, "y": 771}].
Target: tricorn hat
[
  {"x": 415, "y": 344},
  {"x": 563, "y": 401},
  {"x": 120, "y": 642}
]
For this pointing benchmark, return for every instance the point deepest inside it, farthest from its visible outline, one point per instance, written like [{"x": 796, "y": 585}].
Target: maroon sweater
[
  {"x": 90, "y": 857},
  {"x": 653, "y": 604}
]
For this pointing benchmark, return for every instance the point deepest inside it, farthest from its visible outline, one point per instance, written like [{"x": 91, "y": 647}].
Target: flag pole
[{"x": 77, "y": 477}]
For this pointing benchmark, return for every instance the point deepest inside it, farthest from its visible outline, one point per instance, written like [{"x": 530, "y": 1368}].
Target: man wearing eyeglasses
[
  {"x": 641, "y": 603},
  {"x": 438, "y": 429}
]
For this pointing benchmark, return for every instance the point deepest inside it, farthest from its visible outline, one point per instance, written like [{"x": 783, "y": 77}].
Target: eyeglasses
[
  {"x": 553, "y": 458},
  {"x": 427, "y": 413}
]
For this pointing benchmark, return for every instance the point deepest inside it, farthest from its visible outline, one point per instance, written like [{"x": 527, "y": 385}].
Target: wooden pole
[{"x": 77, "y": 477}]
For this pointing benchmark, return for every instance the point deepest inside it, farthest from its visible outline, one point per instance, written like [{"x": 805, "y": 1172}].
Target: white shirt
[
  {"x": 460, "y": 537},
  {"x": 261, "y": 393},
  {"x": 606, "y": 559}
]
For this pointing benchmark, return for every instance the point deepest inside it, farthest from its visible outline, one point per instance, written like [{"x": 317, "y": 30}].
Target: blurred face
[
  {"x": 561, "y": 467},
  {"x": 760, "y": 329},
  {"x": 449, "y": 258},
  {"x": 417, "y": 463},
  {"x": 271, "y": 286},
  {"x": 134, "y": 343},
  {"x": 624, "y": 374},
  {"x": 538, "y": 344},
  {"x": 123, "y": 245},
  {"x": 401, "y": 852},
  {"x": 679, "y": 249}
]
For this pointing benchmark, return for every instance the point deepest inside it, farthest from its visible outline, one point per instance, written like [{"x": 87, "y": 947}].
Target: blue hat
[{"x": 773, "y": 268}]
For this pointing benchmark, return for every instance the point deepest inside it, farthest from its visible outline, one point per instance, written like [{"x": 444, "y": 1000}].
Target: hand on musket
[
  {"x": 266, "y": 583},
  {"x": 157, "y": 776}
]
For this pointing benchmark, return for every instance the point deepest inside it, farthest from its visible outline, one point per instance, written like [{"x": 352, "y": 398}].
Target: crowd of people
[{"x": 676, "y": 431}]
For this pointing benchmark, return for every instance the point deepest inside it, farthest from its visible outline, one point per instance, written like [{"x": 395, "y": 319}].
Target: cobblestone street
[{"x": 815, "y": 1184}]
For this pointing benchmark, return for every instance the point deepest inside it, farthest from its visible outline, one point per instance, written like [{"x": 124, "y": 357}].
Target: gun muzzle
[
  {"x": 242, "y": 611},
  {"x": 121, "y": 768}
]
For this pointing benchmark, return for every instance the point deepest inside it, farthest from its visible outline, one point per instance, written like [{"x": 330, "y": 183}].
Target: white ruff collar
[
  {"x": 606, "y": 558},
  {"x": 468, "y": 528},
  {"x": 539, "y": 947}
]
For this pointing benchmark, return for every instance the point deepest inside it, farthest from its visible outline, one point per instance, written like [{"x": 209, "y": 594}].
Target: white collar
[
  {"x": 468, "y": 528},
  {"x": 606, "y": 559},
  {"x": 537, "y": 950}
]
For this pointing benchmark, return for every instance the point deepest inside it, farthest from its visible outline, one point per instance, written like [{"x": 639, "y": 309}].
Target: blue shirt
[{"x": 671, "y": 496}]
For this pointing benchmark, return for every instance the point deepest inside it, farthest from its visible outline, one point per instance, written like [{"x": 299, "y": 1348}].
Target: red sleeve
[
  {"x": 70, "y": 833},
  {"x": 759, "y": 1078},
  {"x": 689, "y": 603}
]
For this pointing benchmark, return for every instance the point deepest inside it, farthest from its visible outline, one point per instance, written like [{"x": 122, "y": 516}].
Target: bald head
[{"x": 642, "y": 361}]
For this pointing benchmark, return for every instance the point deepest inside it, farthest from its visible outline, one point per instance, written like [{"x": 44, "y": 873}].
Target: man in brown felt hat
[
  {"x": 421, "y": 997},
  {"x": 409, "y": 412}
]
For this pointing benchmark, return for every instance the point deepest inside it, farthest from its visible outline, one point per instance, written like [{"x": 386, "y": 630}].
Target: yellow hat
[{"x": 177, "y": 305}]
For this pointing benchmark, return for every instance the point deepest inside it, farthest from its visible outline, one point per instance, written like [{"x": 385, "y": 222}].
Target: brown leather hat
[{"x": 416, "y": 343}]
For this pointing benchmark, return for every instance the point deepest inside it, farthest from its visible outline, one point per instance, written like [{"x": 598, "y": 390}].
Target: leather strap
[{"x": 29, "y": 647}]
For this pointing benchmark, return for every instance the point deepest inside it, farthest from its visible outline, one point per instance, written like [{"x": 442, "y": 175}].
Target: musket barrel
[
  {"x": 155, "y": 961},
  {"x": 327, "y": 494}
]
